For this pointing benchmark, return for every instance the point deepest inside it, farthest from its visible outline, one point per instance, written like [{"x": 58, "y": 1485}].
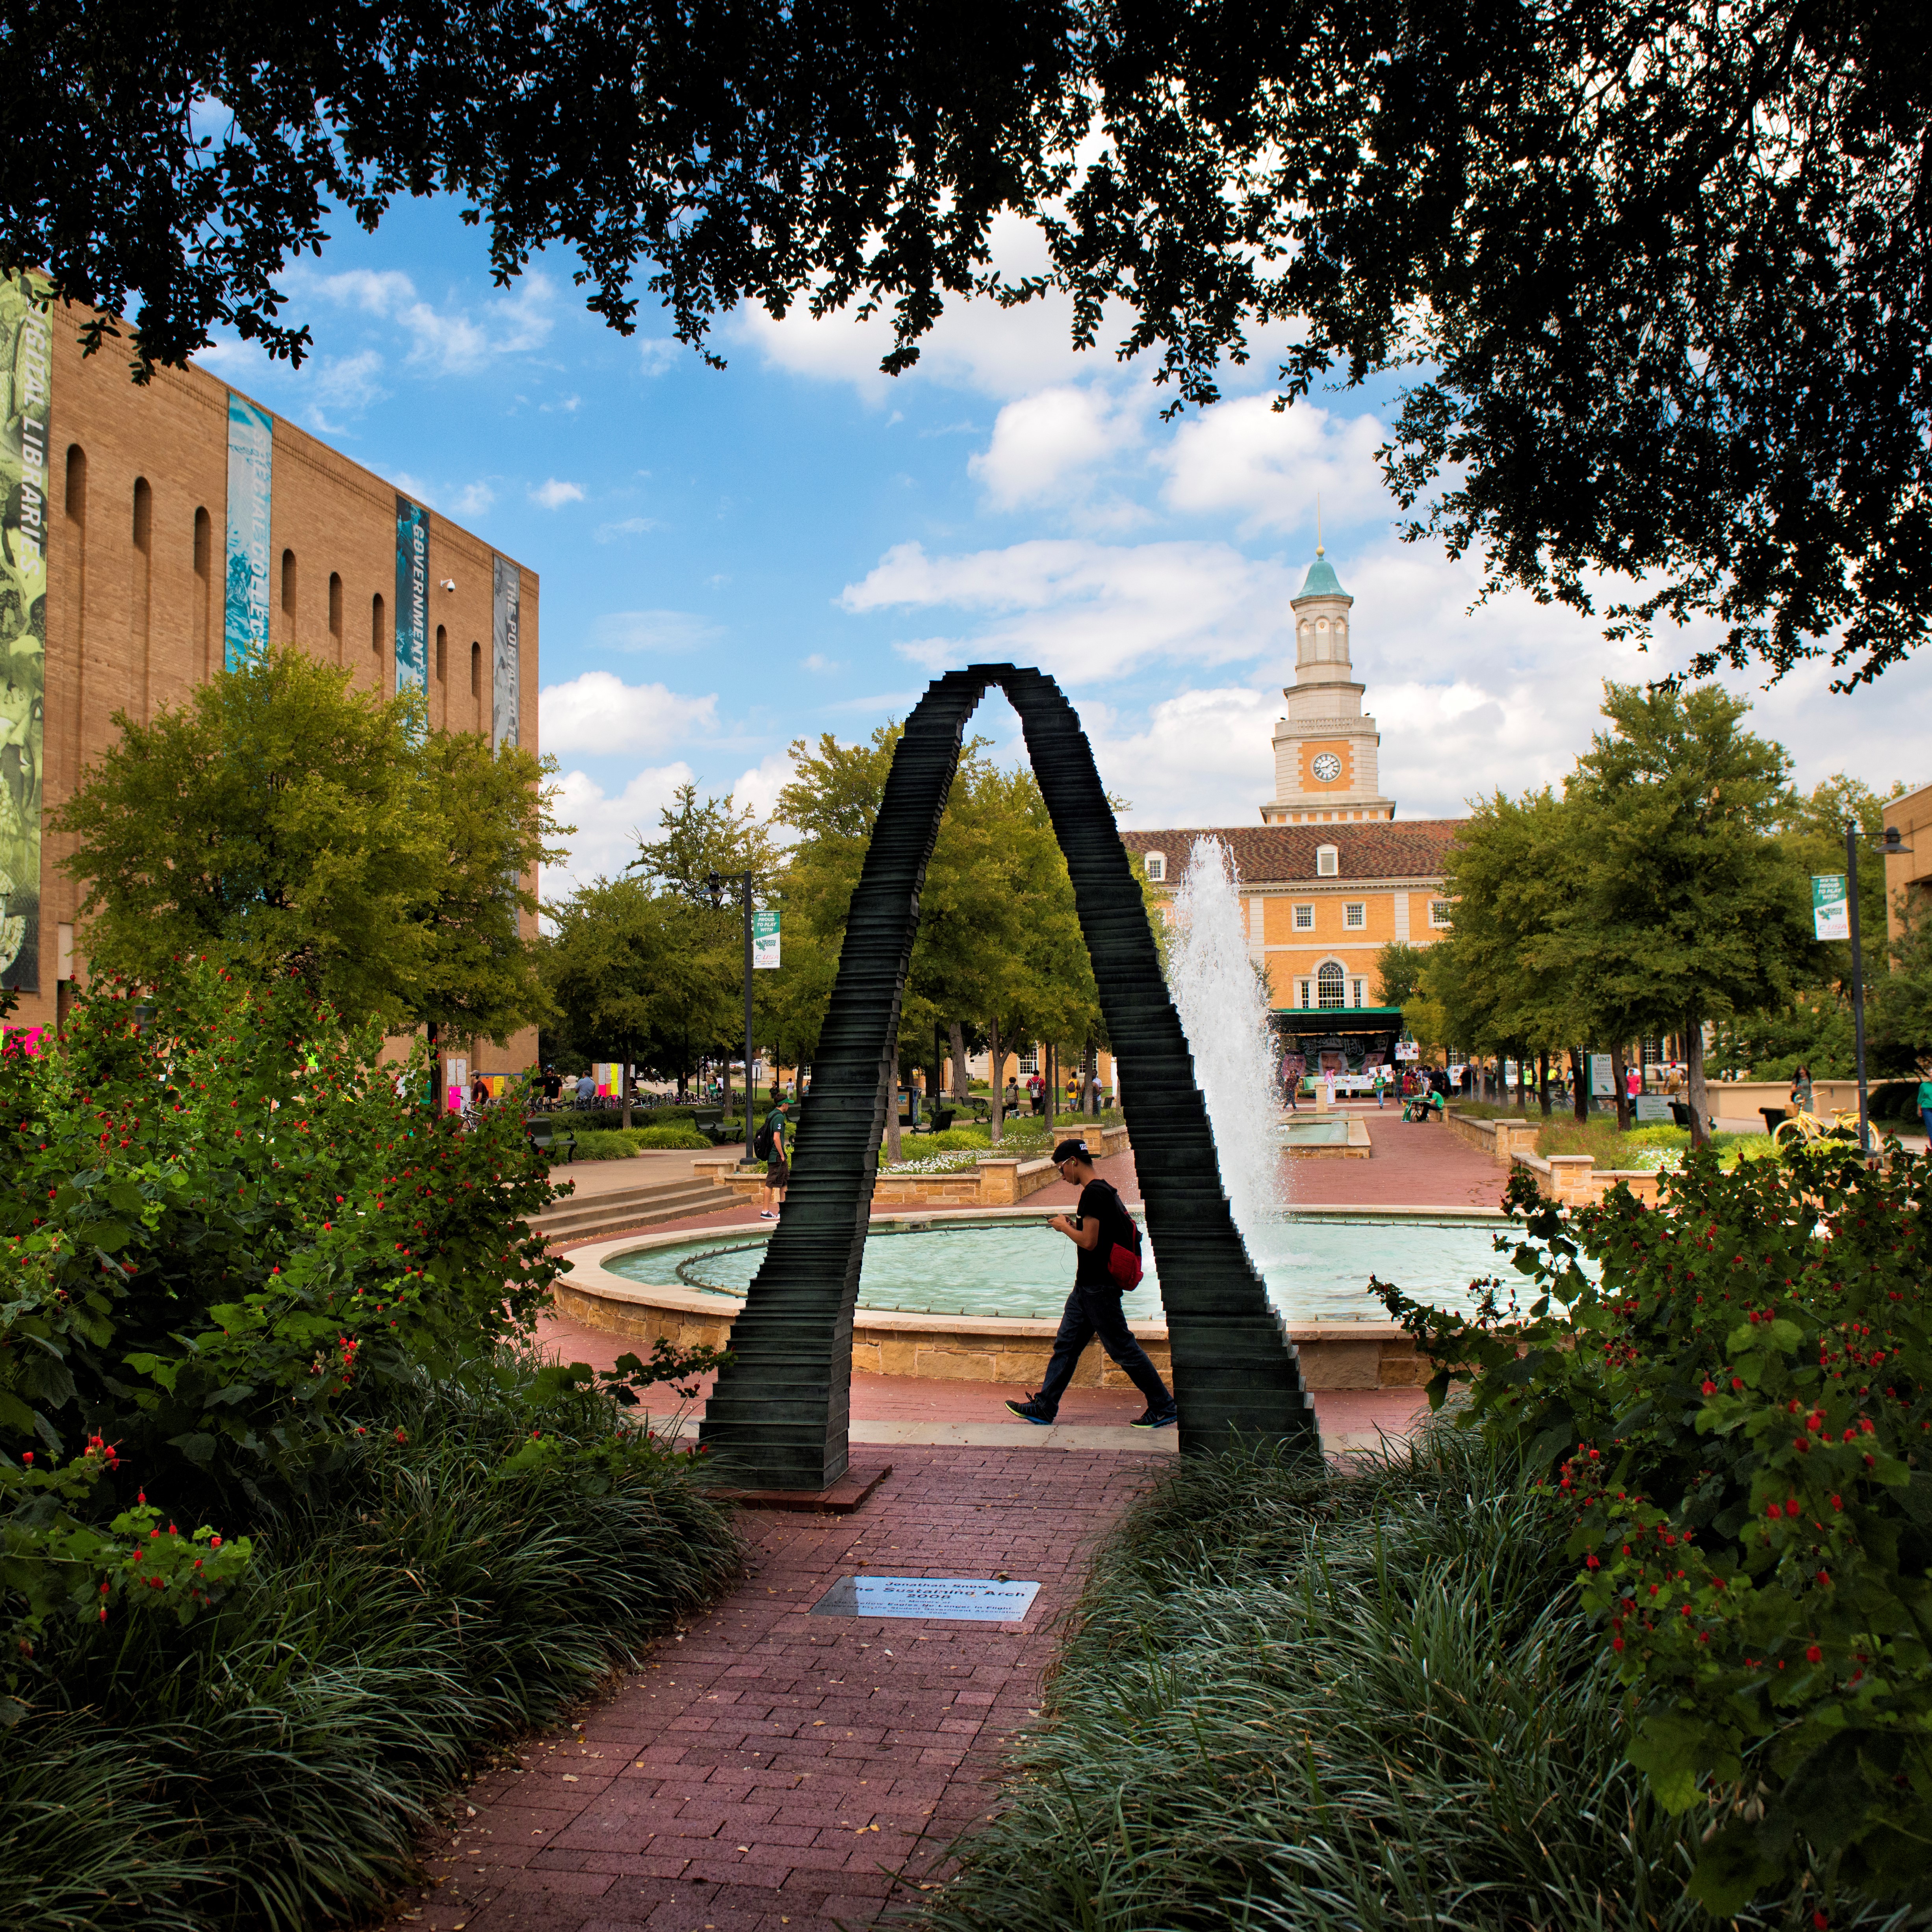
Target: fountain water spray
[{"x": 1224, "y": 1011}]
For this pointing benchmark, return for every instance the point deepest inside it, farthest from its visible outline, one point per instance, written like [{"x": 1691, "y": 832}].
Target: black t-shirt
[{"x": 1099, "y": 1202}]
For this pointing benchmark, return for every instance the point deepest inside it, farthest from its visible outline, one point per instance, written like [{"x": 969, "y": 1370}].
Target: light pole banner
[
  {"x": 764, "y": 940},
  {"x": 506, "y": 682},
  {"x": 26, "y": 382},
  {"x": 1830, "y": 909},
  {"x": 412, "y": 596},
  {"x": 251, "y": 461}
]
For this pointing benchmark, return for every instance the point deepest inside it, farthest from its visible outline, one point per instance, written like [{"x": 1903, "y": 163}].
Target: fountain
[{"x": 1222, "y": 1002}]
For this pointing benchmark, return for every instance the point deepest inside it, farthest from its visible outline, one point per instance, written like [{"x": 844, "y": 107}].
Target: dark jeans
[{"x": 1089, "y": 1312}]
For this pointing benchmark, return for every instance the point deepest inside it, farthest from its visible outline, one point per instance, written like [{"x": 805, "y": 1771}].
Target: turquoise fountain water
[{"x": 1020, "y": 1269}]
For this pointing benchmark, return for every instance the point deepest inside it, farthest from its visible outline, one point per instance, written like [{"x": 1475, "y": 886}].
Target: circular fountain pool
[{"x": 1316, "y": 1266}]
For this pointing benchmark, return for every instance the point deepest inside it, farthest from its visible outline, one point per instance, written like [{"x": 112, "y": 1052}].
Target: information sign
[
  {"x": 1830, "y": 909},
  {"x": 1603, "y": 1081},
  {"x": 959, "y": 1600},
  {"x": 764, "y": 941},
  {"x": 1653, "y": 1108}
]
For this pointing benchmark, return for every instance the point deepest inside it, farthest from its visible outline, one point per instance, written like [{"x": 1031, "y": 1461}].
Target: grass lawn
[{"x": 1305, "y": 1704}]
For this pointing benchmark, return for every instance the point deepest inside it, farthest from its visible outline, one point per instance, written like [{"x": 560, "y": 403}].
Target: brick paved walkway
[
  {"x": 770, "y": 1769},
  {"x": 1411, "y": 1164}
]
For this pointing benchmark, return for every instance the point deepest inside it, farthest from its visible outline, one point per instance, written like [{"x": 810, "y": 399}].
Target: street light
[
  {"x": 716, "y": 883},
  {"x": 1893, "y": 843}
]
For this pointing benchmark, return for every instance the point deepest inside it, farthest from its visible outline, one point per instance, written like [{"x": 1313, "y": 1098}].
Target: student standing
[
  {"x": 778, "y": 1168},
  {"x": 1093, "y": 1308}
]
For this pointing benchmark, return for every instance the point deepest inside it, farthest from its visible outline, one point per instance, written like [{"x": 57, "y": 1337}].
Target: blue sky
[{"x": 732, "y": 561}]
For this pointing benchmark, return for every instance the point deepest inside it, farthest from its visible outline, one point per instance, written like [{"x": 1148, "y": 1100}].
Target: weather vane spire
[{"x": 1319, "y": 550}]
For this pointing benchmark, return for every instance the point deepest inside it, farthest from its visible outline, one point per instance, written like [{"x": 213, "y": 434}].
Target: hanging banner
[
  {"x": 26, "y": 371},
  {"x": 251, "y": 459},
  {"x": 1830, "y": 907},
  {"x": 764, "y": 941},
  {"x": 412, "y": 596},
  {"x": 506, "y": 683}
]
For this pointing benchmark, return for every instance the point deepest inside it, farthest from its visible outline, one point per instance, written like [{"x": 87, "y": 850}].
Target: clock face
[{"x": 1327, "y": 768}]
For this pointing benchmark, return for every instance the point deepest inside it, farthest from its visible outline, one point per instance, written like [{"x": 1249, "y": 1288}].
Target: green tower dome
[{"x": 1322, "y": 581}]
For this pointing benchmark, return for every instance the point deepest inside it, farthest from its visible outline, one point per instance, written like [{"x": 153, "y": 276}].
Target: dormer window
[
  {"x": 1156, "y": 868},
  {"x": 1328, "y": 861}
]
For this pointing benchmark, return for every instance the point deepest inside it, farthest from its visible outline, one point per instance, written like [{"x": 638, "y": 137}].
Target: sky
[{"x": 731, "y": 561}]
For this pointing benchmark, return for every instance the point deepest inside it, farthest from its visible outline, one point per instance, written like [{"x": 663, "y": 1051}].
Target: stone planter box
[
  {"x": 995, "y": 1180},
  {"x": 951, "y": 1348},
  {"x": 1501, "y": 1140},
  {"x": 1577, "y": 1180}
]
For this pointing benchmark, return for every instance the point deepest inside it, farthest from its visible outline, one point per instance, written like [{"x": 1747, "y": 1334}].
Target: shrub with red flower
[{"x": 1733, "y": 1423}]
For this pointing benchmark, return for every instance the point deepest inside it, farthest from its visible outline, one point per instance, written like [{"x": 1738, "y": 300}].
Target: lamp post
[
  {"x": 1892, "y": 843},
  {"x": 717, "y": 882}
]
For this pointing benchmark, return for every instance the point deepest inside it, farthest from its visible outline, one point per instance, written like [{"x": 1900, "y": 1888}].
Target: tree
[
  {"x": 1689, "y": 908},
  {"x": 1664, "y": 271},
  {"x": 1901, "y": 1002},
  {"x": 283, "y": 821},
  {"x": 1398, "y": 971}
]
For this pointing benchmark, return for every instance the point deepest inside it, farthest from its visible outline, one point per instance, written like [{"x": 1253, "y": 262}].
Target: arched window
[
  {"x": 289, "y": 596},
  {"x": 1328, "y": 984},
  {"x": 442, "y": 650},
  {"x": 1328, "y": 861},
  {"x": 476, "y": 671},
  {"x": 335, "y": 611},
  {"x": 1156, "y": 868}
]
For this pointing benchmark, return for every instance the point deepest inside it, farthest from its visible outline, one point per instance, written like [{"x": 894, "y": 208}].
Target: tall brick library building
[{"x": 152, "y": 535}]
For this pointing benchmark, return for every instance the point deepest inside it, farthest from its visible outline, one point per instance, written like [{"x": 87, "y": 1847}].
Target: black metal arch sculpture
[{"x": 780, "y": 1413}]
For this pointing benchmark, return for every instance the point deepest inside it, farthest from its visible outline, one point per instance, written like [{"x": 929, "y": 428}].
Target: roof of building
[
  {"x": 1322, "y": 581},
  {"x": 1265, "y": 854}
]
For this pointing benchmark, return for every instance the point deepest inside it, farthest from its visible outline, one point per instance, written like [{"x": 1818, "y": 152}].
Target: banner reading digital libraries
[
  {"x": 1830, "y": 908},
  {"x": 764, "y": 941},
  {"x": 505, "y": 678},
  {"x": 412, "y": 596},
  {"x": 26, "y": 368},
  {"x": 251, "y": 460}
]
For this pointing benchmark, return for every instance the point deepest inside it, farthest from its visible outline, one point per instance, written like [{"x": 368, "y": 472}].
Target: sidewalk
[
  {"x": 1411, "y": 1163},
  {"x": 770, "y": 1771}
]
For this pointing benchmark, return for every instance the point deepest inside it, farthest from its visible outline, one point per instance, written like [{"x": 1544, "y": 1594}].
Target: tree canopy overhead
[{"x": 1658, "y": 276}]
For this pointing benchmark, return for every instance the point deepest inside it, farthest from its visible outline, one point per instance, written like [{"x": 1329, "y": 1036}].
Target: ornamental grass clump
[{"x": 1731, "y": 1432}]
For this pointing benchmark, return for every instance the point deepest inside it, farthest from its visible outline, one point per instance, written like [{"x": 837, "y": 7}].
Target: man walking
[{"x": 1093, "y": 1308}]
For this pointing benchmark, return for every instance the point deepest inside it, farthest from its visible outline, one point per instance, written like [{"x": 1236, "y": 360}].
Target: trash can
[{"x": 1775, "y": 1117}]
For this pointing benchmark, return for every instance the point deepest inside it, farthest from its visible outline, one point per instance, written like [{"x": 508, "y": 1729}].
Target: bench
[
  {"x": 938, "y": 1122},
  {"x": 1774, "y": 1117},
  {"x": 1680, "y": 1112},
  {"x": 546, "y": 1139}
]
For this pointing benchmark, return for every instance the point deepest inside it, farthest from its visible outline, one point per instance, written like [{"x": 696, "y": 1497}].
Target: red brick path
[
  {"x": 771, "y": 1769},
  {"x": 1411, "y": 1164}
]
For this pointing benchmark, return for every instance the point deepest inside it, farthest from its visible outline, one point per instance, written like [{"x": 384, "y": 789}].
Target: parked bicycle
[{"x": 1802, "y": 1129}]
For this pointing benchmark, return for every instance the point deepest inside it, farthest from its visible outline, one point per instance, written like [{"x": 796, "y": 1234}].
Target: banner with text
[
  {"x": 1830, "y": 908},
  {"x": 251, "y": 461},
  {"x": 412, "y": 596},
  {"x": 506, "y": 682},
  {"x": 26, "y": 370},
  {"x": 764, "y": 941}
]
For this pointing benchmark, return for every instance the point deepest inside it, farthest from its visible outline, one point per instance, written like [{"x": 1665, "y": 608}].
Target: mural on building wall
[
  {"x": 26, "y": 379},
  {"x": 505, "y": 678},
  {"x": 251, "y": 459},
  {"x": 412, "y": 596}
]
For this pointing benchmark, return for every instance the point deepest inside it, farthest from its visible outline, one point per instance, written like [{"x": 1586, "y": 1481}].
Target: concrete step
[{"x": 631, "y": 1207}]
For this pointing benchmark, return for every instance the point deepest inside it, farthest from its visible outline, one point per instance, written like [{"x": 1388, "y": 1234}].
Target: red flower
[{"x": 1814, "y": 1655}]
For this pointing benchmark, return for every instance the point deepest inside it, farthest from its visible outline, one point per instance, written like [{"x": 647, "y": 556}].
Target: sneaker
[
  {"x": 765, "y": 1214},
  {"x": 1165, "y": 1418},
  {"x": 1030, "y": 1410}
]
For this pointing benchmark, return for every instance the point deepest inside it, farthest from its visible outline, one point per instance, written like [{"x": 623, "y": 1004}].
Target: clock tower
[{"x": 1325, "y": 748}]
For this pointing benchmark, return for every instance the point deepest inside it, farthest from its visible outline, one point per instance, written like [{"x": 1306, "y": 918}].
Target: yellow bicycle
[{"x": 1802, "y": 1128}]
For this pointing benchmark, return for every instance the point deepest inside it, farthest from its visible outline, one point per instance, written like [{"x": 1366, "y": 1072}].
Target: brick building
[
  {"x": 1330, "y": 875},
  {"x": 154, "y": 534}
]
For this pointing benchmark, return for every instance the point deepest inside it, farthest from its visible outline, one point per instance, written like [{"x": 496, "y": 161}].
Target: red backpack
[{"x": 1123, "y": 1263}]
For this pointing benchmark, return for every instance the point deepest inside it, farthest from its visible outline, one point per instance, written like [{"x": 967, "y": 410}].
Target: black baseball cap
[{"x": 1069, "y": 1150}]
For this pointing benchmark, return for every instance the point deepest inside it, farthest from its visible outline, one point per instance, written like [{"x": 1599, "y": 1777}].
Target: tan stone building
[
  {"x": 1330, "y": 875},
  {"x": 1908, "y": 872},
  {"x": 154, "y": 534}
]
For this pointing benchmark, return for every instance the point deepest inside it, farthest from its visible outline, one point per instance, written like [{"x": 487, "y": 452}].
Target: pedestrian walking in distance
[{"x": 1102, "y": 1225}]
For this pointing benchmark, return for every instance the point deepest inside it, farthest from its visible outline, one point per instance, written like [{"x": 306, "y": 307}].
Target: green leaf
[{"x": 1730, "y": 1869}]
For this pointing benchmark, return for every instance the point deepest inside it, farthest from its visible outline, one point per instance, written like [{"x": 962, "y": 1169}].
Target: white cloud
[
  {"x": 657, "y": 353},
  {"x": 1266, "y": 466},
  {"x": 652, "y": 630},
  {"x": 554, "y": 494},
  {"x": 473, "y": 499},
  {"x": 1085, "y": 610},
  {"x": 629, "y": 526},
  {"x": 1203, "y": 758},
  {"x": 759, "y": 788},
  {"x": 607, "y": 828},
  {"x": 819, "y": 665},
  {"x": 599, "y": 713},
  {"x": 348, "y": 382},
  {"x": 1044, "y": 443},
  {"x": 451, "y": 341}
]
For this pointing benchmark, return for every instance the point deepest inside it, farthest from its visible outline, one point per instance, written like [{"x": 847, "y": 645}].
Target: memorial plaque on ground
[
  {"x": 967, "y": 1600},
  {"x": 1653, "y": 1106}
]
